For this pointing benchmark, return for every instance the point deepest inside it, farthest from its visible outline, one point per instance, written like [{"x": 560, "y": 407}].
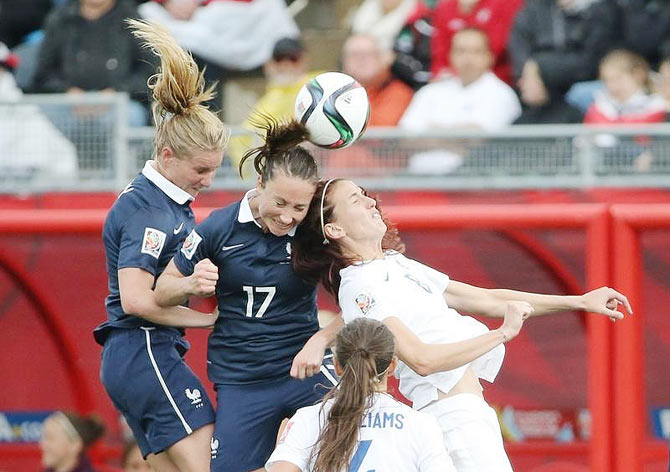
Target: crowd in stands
[{"x": 530, "y": 62}]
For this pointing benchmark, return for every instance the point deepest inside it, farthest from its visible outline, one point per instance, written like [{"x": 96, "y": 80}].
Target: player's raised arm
[
  {"x": 425, "y": 358},
  {"x": 174, "y": 288}
]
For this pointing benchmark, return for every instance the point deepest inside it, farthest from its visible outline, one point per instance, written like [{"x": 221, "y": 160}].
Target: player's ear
[
  {"x": 259, "y": 184},
  {"x": 166, "y": 155},
  {"x": 334, "y": 231}
]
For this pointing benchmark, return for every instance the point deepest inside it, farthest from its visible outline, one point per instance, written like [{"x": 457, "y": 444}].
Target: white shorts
[{"x": 471, "y": 433}]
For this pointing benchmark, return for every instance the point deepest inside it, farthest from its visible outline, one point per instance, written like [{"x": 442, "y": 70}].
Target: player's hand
[
  {"x": 515, "y": 314},
  {"x": 605, "y": 301},
  {"x": 203, "y": 279},
  {"x": 308, "y": 361}
]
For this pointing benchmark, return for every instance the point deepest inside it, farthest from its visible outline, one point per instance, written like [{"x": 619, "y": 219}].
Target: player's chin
[{"x": 280, "y": 230}]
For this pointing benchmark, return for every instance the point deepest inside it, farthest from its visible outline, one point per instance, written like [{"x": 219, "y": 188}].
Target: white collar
[
  {"x": 246, "y": 216},
  {"x": 171, "y": 190}
]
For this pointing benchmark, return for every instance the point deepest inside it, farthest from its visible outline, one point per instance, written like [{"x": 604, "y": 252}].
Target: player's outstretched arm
[
  {"x": 174, "y": 288},
  {"x": 488, "y": 302},
  {"x": 426, "y": 359},
  {"x": 138, "y": 299}
]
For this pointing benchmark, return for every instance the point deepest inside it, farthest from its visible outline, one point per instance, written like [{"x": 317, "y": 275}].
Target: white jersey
[
  {"x": 412, "y": 292},
  {"x": 392, "y": 438}
]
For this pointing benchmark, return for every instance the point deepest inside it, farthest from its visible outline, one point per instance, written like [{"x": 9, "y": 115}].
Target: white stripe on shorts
[
  {"x": 162, "y": 382},
  {"x": 328, "y": 375}
]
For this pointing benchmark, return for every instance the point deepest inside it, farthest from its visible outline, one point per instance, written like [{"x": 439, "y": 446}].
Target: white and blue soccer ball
[{"x": 335, "y": 109}]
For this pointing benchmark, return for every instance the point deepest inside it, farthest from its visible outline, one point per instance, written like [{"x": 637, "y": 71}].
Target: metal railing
[{"x": 82, "y": 143}]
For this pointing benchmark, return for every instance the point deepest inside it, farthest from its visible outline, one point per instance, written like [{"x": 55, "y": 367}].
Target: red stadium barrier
[
  {"x": 633, "y": 449},
  {"x": 616, "y": 403}
]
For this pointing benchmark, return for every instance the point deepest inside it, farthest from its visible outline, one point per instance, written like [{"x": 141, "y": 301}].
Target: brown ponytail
[
  {"x": 365, "y": 349},
  {"x": 281, "y": 151},
  {"x": 183, "y": 123}
]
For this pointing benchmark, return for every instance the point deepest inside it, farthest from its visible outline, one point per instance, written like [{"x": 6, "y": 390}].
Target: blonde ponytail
[{"x": 182, "y": 120}]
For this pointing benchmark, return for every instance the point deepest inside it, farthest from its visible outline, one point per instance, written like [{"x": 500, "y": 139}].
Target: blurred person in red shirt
[
  {"x": 626, "y": 98},
  {"x": 494, "y": 17}
]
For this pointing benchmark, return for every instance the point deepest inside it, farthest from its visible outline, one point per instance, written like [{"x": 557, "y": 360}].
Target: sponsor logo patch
[
  {"x": 190, "y": 244},
  {"x": 153, "y": 242},
  {"x": 365, "y": 302}
]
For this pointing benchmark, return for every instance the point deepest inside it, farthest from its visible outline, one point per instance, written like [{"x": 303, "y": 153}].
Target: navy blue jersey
[
  {"x": 143, "y": 229},
  {"x": 266, "y": 312}
]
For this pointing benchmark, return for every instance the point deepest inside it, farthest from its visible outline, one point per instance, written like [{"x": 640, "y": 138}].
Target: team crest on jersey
[
  {"x": 365, "y": 302},
  {"x": 190, "y": 244},
  {"x": 153, "y": 242}
]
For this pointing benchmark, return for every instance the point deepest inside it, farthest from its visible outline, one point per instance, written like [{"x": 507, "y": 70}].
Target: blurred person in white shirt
[{"x": 474, "y": 98}]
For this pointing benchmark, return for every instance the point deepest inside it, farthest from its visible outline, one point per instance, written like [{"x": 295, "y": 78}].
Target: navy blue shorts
[
  {"x": 248, "y": 416},
  {"x": 150, "y": 384}
]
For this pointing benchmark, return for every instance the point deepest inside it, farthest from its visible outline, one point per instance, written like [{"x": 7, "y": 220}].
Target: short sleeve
[
  {"x": 433, "y": 455},
  {"x": 436, "y": 278},
  {"x": 296, "y": 442},
  {"x": 143, "y": 238},
  {"x": 196, "y": 247},
  {"x": 371, "y": 300}
]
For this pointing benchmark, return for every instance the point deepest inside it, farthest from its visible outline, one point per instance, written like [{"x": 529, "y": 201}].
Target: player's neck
[{"x": 364, "y": 250}]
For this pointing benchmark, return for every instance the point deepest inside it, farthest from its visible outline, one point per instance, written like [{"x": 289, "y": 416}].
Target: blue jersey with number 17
[{"x": 266, "y": 312}]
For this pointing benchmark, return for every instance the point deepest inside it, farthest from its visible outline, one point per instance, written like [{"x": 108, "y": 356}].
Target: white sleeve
[
  {"x": 433, "y": 456},
  {"x": 297, "y": 441}
]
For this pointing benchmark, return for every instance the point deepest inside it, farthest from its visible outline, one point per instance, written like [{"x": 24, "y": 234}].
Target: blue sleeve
[
  {"x": 196, "y": 247},
  {"x": 143, "y": 237}
]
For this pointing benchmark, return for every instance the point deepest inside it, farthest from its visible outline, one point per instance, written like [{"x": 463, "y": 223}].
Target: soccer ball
[{"x": 335, "y": 109}]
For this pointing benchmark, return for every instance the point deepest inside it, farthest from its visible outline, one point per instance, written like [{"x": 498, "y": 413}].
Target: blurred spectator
[
  {"x": 626, "y": 98},
  {"x": 382, "y": 19},
  {"x": 412, "y": 46},
  {"x": 23, "y": 156},
  {"x": 474, "y": 98},
  {"x": 19, "y": 18},
  {"x": 541, "y": 105},
  {"x": 495, "y": 17},
  {"x": 87, "y": 47},
  {"x": 237, "y": 35},
  {"x": 645, "y": 25},
  {"x": 132, "y": 460},
  {"x": 566, "y": 38},
  {"x": 65, "y": 439},
  {"x": 365, "y": 59},
  {"x": 662, "y": 83},
  {"x": 285, "y": 73}
]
